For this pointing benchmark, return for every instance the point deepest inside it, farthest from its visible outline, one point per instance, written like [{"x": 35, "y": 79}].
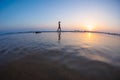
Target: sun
[{"x": 89, "y": 27}]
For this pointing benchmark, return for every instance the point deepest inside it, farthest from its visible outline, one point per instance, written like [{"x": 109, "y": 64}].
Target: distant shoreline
[{"x": 109, "y": 33}]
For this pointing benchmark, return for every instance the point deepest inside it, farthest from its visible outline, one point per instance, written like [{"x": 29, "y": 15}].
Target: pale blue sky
[{"x": 104, "y": 15}]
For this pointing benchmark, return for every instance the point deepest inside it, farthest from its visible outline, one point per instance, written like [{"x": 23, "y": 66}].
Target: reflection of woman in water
[
  {"x": 59, "y": 35},
  {"x": 59, "y": 27}
]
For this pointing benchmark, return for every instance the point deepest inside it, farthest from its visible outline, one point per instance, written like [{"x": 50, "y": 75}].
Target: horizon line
[{"x": 38, "y": 31}]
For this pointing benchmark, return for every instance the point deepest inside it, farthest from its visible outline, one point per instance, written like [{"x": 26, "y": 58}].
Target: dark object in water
[{"x": 38, "y": 32}]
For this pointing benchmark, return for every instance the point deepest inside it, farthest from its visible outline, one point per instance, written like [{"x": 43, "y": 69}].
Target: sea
[{"x": 59, "y": 56}]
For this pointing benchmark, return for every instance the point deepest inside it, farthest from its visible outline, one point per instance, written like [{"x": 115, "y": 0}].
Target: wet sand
[{"x": 37, "y": 67}]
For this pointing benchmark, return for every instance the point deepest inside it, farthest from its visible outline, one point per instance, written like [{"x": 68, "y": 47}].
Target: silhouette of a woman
[{"x": 59, "y": 27}]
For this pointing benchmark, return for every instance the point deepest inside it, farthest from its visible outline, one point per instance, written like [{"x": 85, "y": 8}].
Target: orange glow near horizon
[{"x": 89, "y": 27}]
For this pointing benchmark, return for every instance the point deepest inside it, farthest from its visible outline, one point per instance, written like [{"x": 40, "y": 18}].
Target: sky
[{"x": 22, "y": 15}]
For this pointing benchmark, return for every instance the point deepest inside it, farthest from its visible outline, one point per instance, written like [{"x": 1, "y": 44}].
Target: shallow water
[{"x": 60, "y": 56}]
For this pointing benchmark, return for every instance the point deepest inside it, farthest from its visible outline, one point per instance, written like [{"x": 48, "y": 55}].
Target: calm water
[{"x": 59, "y": 56}]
